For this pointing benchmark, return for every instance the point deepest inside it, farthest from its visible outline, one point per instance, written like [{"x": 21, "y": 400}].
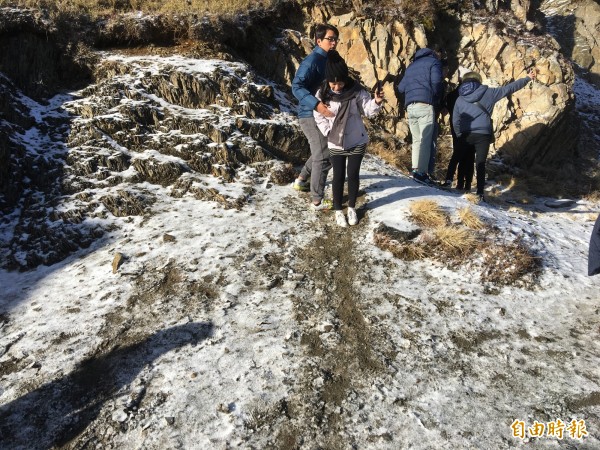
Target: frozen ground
[{"x": 270, "y": 327}]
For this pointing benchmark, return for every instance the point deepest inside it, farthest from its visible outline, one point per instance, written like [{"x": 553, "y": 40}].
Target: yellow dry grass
[
  {"x": 593, "y": 196},
  {"x": 408, "y": 251},
  {"x": 392, "y": 154},
  {"x": 470, "y": 219},
  {"x": 472, "y": 198},
  {"x": 428, "y": 213},
  {"x": 103, "y": 7},
  {"x": 455, "y": 240}
]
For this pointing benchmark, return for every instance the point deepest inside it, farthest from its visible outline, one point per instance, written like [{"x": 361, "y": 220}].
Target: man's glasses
[{"x": 332, "y": 39}]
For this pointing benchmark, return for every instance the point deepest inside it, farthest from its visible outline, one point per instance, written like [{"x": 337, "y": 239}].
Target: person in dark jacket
[
  {"x": 472, "y": 121},
  {"x": 422, "y": 86},
  {"x": 594, "y": 253},
  {"x": 448, "y": 105},
  {"x": 306, "y": 82}
]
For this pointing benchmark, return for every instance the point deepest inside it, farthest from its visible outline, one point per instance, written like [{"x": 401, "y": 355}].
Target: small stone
[
  {"x": 561, "y": 203},
  {"x": 168, "y": 238},
  {"x": 170, "y": 420},
  {"x": 117, "y": 261},
  {"x": 119, "y": 416}
]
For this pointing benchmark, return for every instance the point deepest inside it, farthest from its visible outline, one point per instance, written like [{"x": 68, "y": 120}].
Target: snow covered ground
[
  {"x": 200, "y": 337},
  {"x": 270, "y": 327}
]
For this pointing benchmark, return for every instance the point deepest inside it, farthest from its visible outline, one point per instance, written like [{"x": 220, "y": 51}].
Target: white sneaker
[
  {"x": 352, "y": 217},
  {"x": 325, "y": 205},
  {"x": 300, "y": 185},
  {"x": 340, "y": 219}
]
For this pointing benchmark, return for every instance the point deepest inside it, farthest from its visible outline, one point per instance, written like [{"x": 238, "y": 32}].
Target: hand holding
[
  {"x": 324, "y": 110},
  {"x": 532, "y": 73},
  {"x": 379, "y": 97}
]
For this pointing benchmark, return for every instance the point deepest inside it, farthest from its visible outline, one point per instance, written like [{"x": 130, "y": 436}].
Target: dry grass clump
[
  {"x": 392, "y": 153},
  {"x": 470, "y": 219},
  {"x": 103, "y": 7},
  {"x": 400, "y": 244},
  {"x": 428, "y": 213},
  {"x": 509, "y": 264},
  {"x": 472, "y": 198},
  {"x": 593, "y": 196},
  {"x": 453, "y": 245},
  {"x": 455, "y": 241}
]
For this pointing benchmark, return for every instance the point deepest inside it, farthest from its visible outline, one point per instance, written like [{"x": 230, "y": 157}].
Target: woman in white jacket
[{"x": 346, "y": 133}]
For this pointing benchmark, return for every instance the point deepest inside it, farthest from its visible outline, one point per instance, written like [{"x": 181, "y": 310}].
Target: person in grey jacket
[
  {"x": 346, "y": 134},
  {"x": 423, "y": 89},
  {"x": 472, "y": 121},
  {"x": 308, "y": 78}
]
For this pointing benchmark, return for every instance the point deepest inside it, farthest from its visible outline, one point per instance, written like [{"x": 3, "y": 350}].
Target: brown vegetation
[
  {"x": 470, "y": 219},
  {"x": 428, "y": 213},
  {"x": 505, "y": 264},
  {"x": 463, "y": 244},
  {"x": 105, "y": 7}
]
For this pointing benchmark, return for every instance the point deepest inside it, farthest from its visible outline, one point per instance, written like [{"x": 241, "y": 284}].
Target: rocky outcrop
[
  {"x": 155, "y": 119},
  {"x": 532, "y": 125},
  {"x": 576, "y": 27},
  {"x": 81, "y": 161},
  {"x": 37, "y": 56}
]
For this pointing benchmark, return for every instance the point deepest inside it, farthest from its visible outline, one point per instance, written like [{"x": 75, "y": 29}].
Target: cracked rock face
[
  {"x": 72, "y": 164},
  {"x": 575, "y": 26},
  {"x": 93, "y": 156}
]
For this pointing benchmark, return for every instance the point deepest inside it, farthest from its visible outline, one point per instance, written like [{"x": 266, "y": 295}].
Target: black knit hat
[{"x": 336, "y": 68}]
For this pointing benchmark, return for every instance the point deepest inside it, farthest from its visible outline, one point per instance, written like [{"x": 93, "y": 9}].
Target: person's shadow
[{"x": 57, "y": 412}]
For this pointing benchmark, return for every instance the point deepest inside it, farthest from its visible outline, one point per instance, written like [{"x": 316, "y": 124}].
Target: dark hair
[
  {"x": 327, "y": 94},
  {"x": 322, "y": 28}
]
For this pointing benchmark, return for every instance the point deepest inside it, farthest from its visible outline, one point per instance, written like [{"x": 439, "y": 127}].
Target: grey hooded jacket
[{"x": 468, "y": 117}]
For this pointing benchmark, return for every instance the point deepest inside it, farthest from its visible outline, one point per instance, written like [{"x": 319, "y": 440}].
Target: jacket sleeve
[
  {"x": 367, "y": 104},
  {"x": 437, "y": 83},
  {"x": 456, "y": 118},
  {"x": 510, "y": 88},
  {"x": 594, "y": 252},
  {"x": 324, "y": 124},
  {"x": 402, "y": 85},
  {"x": 301, "y": 82}
]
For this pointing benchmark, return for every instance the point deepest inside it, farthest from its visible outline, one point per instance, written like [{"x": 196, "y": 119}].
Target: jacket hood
[
  {"x": 424, "y": 52},
  {"x": 472, "y": 91}
]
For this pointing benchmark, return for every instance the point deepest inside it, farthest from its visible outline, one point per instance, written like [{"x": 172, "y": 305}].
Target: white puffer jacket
[{"x": 355, "y": 132}]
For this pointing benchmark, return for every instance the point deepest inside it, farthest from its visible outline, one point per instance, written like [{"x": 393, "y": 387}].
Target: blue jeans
[
  {"x": 421, "y": 123},
  {"x": 433, "y": 153}
]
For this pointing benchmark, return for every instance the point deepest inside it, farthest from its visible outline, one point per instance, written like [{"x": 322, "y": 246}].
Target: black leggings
[
  {"x": 338, "y": 162},
  {"x": 454, "y": 160},
  {"x": 475, "y": 150}
]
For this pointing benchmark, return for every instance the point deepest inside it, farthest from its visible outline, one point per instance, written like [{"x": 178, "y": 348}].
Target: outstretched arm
[{"x": 513, "y": 87}]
